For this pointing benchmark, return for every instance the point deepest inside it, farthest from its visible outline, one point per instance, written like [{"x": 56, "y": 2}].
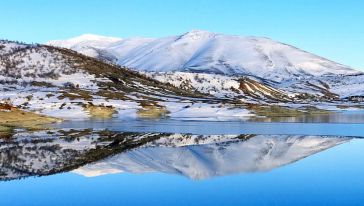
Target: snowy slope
[
  {"x": 249, "y": 88},
  {"x": 206, "y": 52},
  {"x": 85, "y": 40},
  {"x": 109, "y": 48}
]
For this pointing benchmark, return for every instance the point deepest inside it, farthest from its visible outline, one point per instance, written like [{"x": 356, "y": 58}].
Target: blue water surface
[{"x": 332, "y": 177}]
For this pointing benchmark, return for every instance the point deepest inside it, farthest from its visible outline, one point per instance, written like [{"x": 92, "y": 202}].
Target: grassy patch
[
  {"x": 41, "y": 84},
  {"x": 11, "y": 117},
  {"x": 99, "y": 111},
  {"x": 75, "y": 94},
  {"x": 112, "y": 95},
  {"x": 151, "y": 110},
  {"x": 4, "y": 129},
  {"x": 314, "y": 110},
  {"x": 280, "y": 111}
]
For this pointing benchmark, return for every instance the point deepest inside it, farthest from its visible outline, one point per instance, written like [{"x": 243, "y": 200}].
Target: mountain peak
[{"x": 195, "y": 34}]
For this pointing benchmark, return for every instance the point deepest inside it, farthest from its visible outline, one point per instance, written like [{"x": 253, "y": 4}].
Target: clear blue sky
[{"x": 333, "y": 28}]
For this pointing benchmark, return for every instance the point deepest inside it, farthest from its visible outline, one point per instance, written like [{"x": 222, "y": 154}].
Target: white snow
[
  {"x": 90, "y": 45},
  {"x": 206, "y": 112},
  {"x": 85, "y": 40}
]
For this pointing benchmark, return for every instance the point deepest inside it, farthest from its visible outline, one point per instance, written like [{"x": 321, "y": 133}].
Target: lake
[{"x": 302, "y": 161}]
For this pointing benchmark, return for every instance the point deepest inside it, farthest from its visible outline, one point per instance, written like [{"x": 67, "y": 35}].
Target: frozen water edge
[{"x": 220, "y": 127}]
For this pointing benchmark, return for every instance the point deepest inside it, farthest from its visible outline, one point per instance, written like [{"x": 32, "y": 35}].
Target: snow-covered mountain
[
  {"x": 226, "y": 66},
  {"x": 62, "y": 83},
  {"x": 207, "y": 52}
]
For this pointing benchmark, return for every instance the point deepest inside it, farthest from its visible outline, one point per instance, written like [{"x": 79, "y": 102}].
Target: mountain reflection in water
[{"x": 97, "y": 152}]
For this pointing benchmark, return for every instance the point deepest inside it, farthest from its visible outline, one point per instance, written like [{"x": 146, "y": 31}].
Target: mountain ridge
[{"x": 207, "y": 52}]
